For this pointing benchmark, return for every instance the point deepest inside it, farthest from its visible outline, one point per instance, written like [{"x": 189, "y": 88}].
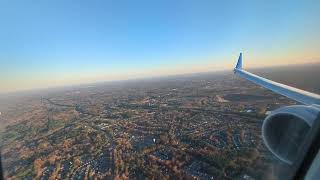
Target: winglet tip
[{"x": 239, "y": 63}]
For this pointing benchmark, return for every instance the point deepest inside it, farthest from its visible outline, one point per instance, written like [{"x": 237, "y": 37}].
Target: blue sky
[{"x": 50, "y": 43}]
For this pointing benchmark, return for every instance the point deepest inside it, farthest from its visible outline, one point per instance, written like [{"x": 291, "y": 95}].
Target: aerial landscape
[
  {"x": 153, "y": 89},
  {"x": 205, "y": 126}
]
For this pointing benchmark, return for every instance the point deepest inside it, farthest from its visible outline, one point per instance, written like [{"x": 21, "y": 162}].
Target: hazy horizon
[
  {"x": 165, "y": 76},
  {"x": 53, "y": 44}
]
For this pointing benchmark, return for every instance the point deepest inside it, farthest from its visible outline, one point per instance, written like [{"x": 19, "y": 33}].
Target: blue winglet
[{"x": 239, "y": 63}]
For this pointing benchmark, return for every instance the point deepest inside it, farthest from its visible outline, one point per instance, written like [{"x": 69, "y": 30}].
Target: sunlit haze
[{"x": 55, "y": 43}]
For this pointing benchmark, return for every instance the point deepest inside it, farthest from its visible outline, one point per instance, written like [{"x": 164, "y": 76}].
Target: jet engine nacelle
[{"x": 284, "y": 130}]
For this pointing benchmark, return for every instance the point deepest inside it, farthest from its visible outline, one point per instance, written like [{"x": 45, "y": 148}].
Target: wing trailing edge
[{"x": 296, "y": 94}]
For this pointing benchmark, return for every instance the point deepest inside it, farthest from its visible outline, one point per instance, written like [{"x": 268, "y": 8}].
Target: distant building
[{"x": 247, "y": 177}]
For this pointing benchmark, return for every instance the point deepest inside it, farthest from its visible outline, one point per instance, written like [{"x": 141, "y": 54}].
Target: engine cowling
[{"x": 284, "y": 130}]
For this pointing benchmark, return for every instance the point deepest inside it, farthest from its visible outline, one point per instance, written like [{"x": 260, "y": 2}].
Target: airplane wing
[{"x": 296, "y": 94}]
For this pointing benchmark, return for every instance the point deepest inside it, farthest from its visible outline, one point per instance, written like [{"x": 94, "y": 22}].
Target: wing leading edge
[{"x": 296, "y": 94}]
